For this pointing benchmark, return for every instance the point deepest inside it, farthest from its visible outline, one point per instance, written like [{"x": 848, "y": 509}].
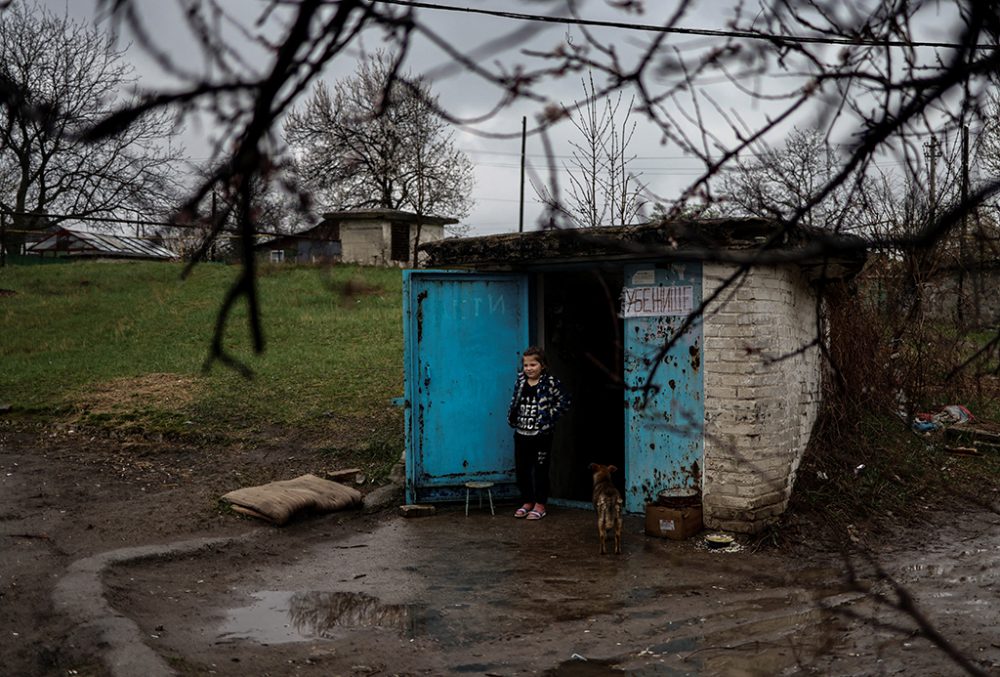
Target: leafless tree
[
  {"x": 775, "y": 183},
  {"x": 856, "y": 70},
  {"x": 603, "y": 190},
  {"x": 982, "y": 231},
  {"x": 377, "y": 141},
  {"x": 986, "y": 142},
  {"x": 279, "y": 207},
  {"x": 63, "y": 77}
]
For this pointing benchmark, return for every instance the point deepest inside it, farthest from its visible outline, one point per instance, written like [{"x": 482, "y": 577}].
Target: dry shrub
[
  {"x": 893, "y": 354},
  {"x": 888, "y": 360}
]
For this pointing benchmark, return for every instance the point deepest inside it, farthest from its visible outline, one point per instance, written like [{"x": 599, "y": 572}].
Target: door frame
[
  {"x": 418, "y": 489},
  {"x": 678, "y": 383}
]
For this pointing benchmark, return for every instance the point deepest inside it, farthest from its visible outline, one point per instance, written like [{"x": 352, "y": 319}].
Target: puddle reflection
[
  {"x": 282, "y": 616},
  {"x": 321, "y": 612}
]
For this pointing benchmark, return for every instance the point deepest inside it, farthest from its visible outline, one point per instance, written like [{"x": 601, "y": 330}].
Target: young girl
[{"x": 539, "y": 400}]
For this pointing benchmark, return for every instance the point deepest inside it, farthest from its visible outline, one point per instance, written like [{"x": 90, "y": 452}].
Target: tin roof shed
[
  {"x": 690, "y": 349},
  {"x": 84, "y": 244}
]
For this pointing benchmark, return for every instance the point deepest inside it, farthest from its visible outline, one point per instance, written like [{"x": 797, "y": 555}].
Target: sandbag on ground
[{"x": 277, "y": 502}]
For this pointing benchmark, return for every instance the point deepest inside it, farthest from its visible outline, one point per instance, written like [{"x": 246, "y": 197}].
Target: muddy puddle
[
  {"x": 451, "y": 594},
  {"x": 280, "y": 616}
]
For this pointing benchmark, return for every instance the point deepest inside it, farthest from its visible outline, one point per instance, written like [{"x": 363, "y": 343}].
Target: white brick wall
[
  {"x": 369, "y": 242},
  {"x": 759, "y": 409}
]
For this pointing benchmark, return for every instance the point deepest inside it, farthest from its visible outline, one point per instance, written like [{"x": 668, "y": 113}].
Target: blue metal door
[
  {"x": 664, "y": 435},
  {"x": 463, "y": 335}
]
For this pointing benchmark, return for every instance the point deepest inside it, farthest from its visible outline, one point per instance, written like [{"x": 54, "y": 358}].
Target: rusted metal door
[
  {"x": 463, "y": 335},
  {"x": 664, "y": 421}
]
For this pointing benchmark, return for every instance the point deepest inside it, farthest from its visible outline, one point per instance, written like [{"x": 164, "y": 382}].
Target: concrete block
[
  {"x": 741, "y": 430},
  {"x": 729, "y": 330},
  {"x": 720, "y": 392},
  {"x": 758, "y": 487},
  {"x": 772, "y": 498},
  {"x": 721, "y": 344},
  {"x": 720, "y": 500}
]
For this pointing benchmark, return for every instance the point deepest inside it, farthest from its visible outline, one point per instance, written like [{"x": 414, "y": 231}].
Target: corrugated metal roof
[
  {"x": 816, "y": 251},
  {"x": 78, "y": 242}
]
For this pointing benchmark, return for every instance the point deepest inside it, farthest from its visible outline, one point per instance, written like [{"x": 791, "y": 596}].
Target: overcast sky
[{"x": 664, "y": 168}]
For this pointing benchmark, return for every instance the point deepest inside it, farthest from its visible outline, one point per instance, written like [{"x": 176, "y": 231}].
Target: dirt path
[
  {"x": 371, "y": 593},
  {"x": 452, "y": 594},
  {"x": 66, "y": 495}
]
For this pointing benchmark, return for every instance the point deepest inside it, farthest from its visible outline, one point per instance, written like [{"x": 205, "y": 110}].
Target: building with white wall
[
  {"x": 371, "y": 237},
  {"x": 691, "y": 350},
  {"x": 383, "y": 237}
]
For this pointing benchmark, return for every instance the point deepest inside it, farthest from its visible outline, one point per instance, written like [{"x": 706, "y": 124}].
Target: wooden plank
[{"x": 964, "y": 451}]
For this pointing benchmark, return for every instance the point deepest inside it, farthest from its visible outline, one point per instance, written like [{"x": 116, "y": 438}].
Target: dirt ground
[{"x": 371, "y": 593}]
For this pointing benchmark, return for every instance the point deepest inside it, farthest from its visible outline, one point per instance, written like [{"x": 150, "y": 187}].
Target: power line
[
  {"x": 747, "y": 35},
  {"x": 650, "y": 170},
  {"x": 690, "y": 157}
]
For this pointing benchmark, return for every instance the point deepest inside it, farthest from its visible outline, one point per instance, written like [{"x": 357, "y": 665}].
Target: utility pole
[
  {"x": 214, "y": 225},
  {"x": 524, "y": 134},
  {"x": 932, "y": 154},
  {"x": 965, "y": 168},
  {"x": 962, "y": 257},
  {"x": 3, "y": 238}
]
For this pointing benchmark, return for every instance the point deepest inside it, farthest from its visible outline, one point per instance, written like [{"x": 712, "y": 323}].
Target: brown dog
[{"x": 608, "y": 504}]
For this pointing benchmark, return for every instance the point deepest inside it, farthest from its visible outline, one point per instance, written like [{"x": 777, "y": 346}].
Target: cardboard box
[{"x": 674, "y": 523}]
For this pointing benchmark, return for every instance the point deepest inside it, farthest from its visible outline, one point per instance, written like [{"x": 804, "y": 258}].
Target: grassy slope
[
  {"x": 332, "y": 350},
  {"x": 333, "y": 360}
]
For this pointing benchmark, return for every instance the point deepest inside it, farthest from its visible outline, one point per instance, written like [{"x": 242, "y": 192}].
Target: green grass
[{"x": 124, "y": 344}]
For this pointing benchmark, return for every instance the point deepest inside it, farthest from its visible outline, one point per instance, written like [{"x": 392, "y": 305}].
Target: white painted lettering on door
[
  {"x": 472, "y": 307},
  {"x": 657, "y": 301}
]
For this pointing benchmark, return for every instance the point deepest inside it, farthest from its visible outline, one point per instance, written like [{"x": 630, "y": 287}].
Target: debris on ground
[
  {"x": 719, "y": 542},
  {"x": 964, "y": 451},
  {"x": 414, "y": 510},
  {"x": 347, "y": 475},
  {"x": 277, "y": 502},
  {"x": 983, "y": 436},
  {"x": 952, "y": 414}
]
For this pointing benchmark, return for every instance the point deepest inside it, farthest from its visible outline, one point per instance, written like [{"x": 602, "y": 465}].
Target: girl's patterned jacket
[{"x": 552, "y": 401}]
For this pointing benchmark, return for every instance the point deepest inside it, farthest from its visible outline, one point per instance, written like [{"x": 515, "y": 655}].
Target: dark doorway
[{"x": 583, "y": 339}]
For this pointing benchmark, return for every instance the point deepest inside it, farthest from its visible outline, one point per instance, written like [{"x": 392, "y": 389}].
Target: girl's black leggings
[{"x": 531, "y": 463}]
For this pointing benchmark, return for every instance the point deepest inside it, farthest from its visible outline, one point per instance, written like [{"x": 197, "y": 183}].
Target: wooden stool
[{"x": 479, "y": 486}]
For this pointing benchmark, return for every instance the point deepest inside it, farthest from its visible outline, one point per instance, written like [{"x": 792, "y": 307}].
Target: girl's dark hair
[{"x": 537, "y": 353}]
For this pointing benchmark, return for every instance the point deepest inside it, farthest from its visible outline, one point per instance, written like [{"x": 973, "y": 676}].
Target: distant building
[
  {"x": 319, "y": 244},
  {"x": 78, "y": 244},
  {"x": 378, "y": 237}
]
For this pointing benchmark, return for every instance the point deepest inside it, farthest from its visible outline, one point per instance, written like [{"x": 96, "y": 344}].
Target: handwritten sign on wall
[{"x": 657, "y": 301}]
